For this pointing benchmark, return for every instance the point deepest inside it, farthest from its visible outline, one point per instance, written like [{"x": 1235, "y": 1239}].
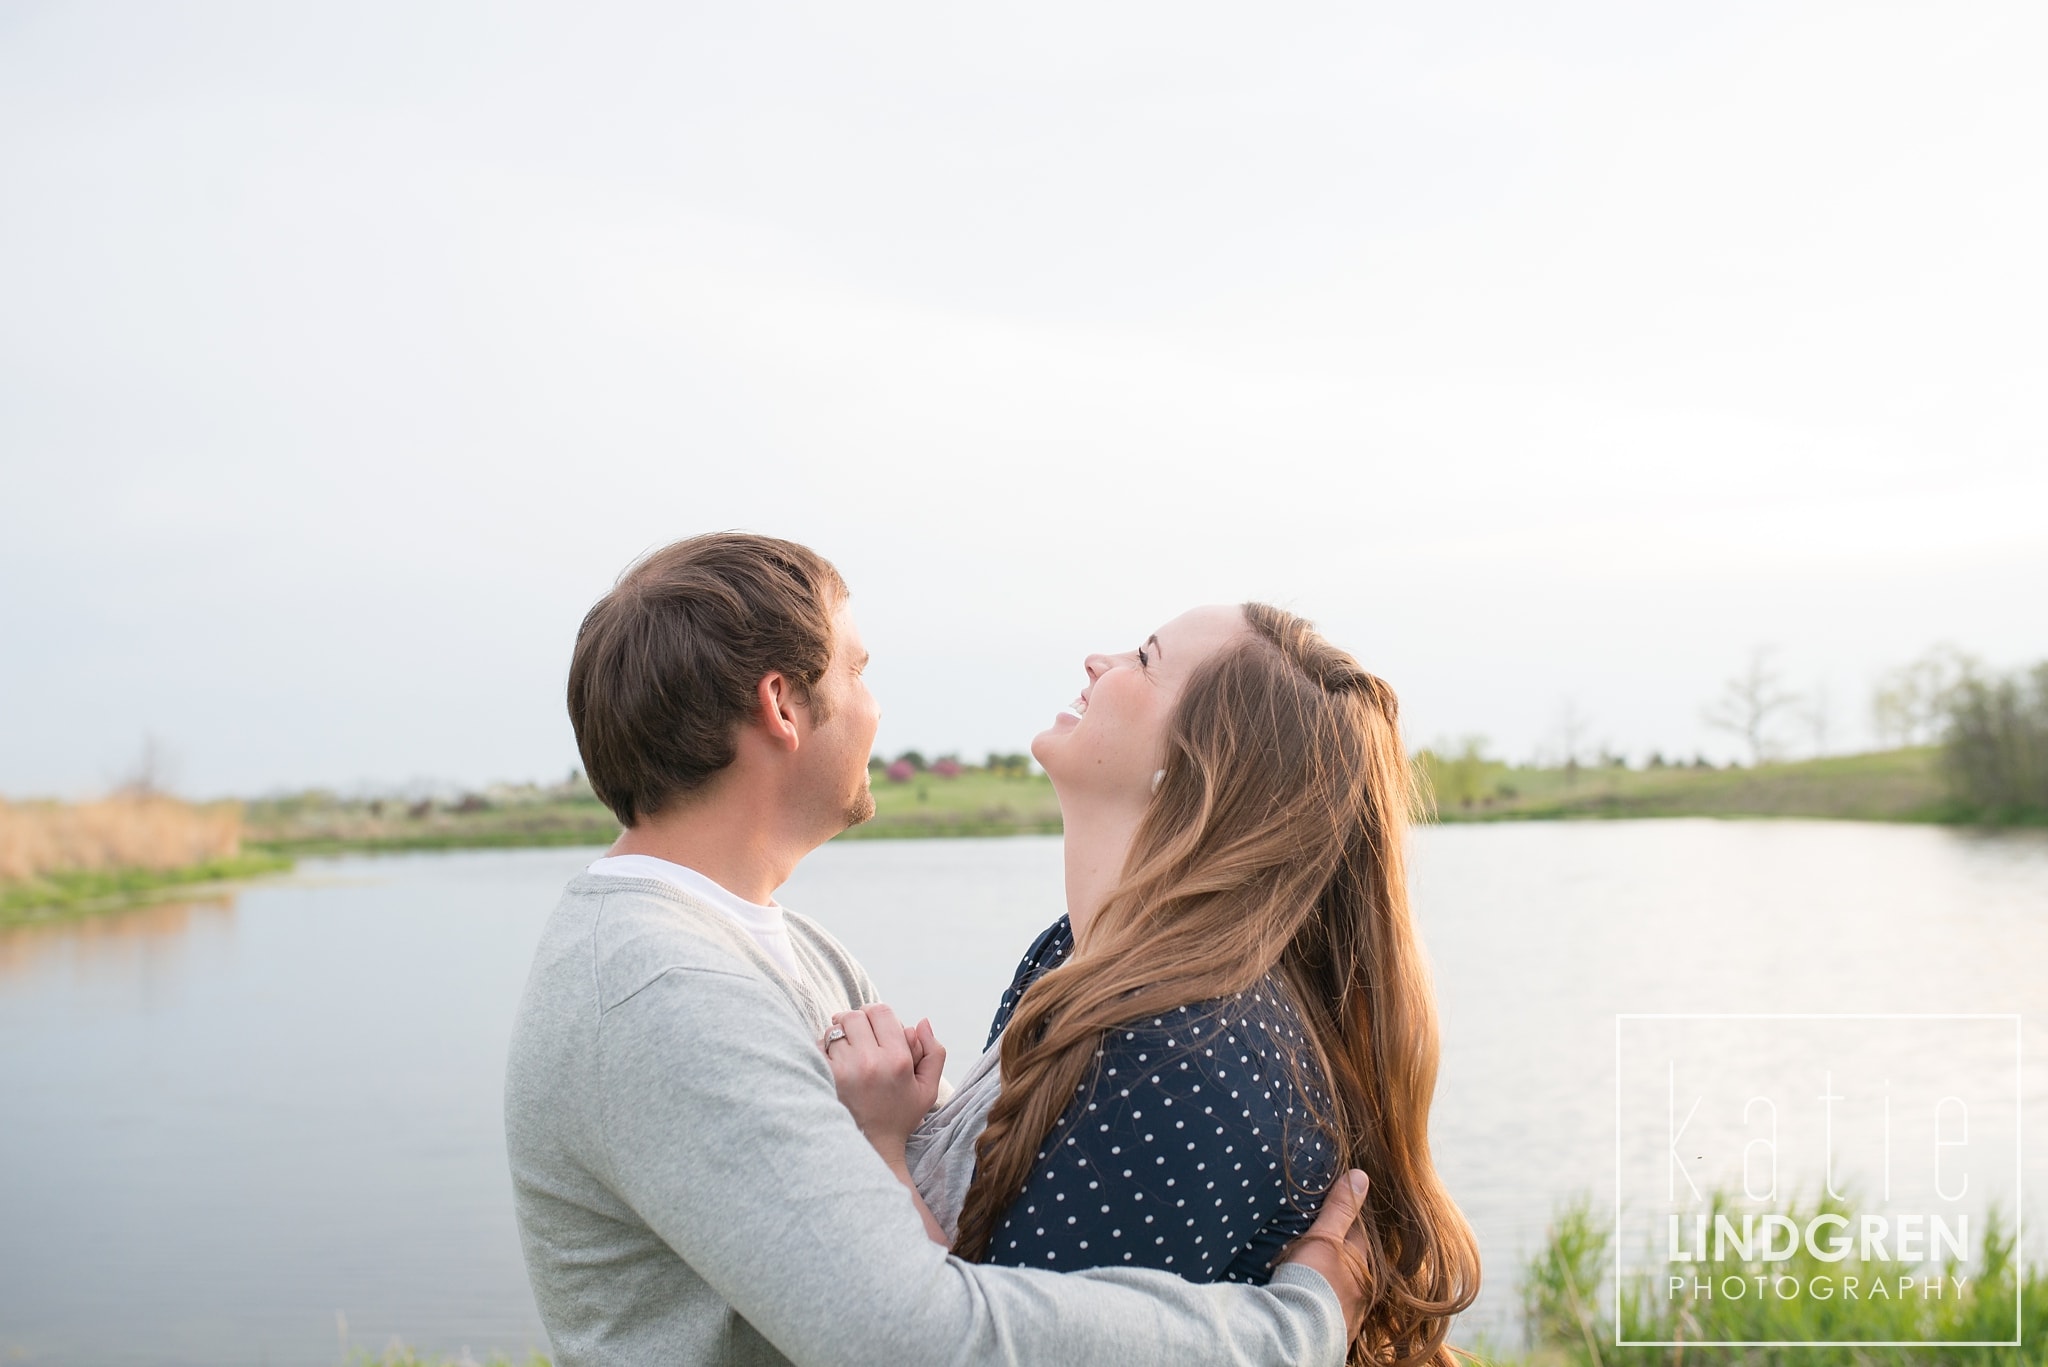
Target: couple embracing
[{"x": 726, "y": 1149}]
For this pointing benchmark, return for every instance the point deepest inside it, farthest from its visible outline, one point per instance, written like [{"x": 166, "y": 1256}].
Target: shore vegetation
[
  {"x": 1884, "y": 785},
  {"x": 1995, "y": 749},
  {"x": 1568, "y": 1306},
  {"x": 942, "y": 798},
  {"x": 61, "y": 859}
]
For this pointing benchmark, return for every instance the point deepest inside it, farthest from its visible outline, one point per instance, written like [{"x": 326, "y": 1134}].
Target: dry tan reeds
[{"x": 154, "y": 833}]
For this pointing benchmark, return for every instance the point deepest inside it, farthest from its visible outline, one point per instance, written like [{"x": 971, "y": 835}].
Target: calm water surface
[{"x": 252, "y": 1130}]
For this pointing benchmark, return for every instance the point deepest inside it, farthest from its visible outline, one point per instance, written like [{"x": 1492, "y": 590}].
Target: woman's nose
[{"x": 1095, "y": 665}]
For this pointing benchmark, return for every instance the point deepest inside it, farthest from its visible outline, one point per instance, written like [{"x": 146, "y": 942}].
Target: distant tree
[
  {"x": 1911, "y": 702},
  {"x": 1750, "y": 702},
  {"x": 901, "y": 771},
  {"x": 946, "y": 766},
  {"x": 1995, "y": 744},
  {"x": 1460, "y": 773},
  {"x": 1571, "y": 728},
  {"x": 912, "y": 758},
  {"x": 151, "y": 773},
  {"x": 1817, "y": 714}
]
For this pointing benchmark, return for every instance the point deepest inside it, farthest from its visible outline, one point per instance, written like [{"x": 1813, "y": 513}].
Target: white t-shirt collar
[{"x": 764, "y": 923}]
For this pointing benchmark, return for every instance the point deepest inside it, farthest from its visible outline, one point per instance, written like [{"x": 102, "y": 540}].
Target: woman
[{"x": 1235, "y": 1008}]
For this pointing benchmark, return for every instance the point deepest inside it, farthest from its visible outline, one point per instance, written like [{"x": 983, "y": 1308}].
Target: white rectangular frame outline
[{"x": 2019, "y": 1229}]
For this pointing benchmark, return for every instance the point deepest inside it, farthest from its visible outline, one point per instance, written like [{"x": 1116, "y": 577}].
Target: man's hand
[
  {"x": 888, "y": 1076},
  {"x": 1335, "y": 1246}
]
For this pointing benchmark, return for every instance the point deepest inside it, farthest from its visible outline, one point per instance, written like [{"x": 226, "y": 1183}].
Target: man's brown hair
[{"x": 667, "y": 663}]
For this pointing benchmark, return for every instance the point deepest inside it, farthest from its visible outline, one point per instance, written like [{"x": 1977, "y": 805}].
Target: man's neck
[
  {"x": 1098, "y": 841},
  {"x": 728, "y": 839}
]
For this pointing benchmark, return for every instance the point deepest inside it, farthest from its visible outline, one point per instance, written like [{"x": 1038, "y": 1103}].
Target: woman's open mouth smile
[{"x": 1071, "y": 714}]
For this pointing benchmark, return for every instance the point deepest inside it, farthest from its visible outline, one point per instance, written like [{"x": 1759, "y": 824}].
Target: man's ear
[{"x": 775, "y": 709}]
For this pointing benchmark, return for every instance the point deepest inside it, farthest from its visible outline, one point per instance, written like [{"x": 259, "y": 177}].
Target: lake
[{"x": 265, "y": 1129}]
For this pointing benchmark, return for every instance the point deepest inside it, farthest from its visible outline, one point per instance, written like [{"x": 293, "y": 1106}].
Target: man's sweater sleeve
[{"x": 721, "y": 1129}]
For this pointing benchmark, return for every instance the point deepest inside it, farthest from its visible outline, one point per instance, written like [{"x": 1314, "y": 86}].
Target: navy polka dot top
[{"x": 1188, "y": 1148}]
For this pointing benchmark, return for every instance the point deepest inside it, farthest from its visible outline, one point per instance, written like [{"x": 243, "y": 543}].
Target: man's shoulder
[
  {"x": 838, "y": 961},
  {"x": 804, "y": 928},
  {"x": 636, "y": 930}
]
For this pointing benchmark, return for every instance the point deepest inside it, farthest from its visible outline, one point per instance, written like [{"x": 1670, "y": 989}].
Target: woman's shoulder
[
  {"x": 1251, "y": 1046},
  {"x": 1053, "y": 944},
  {"x": 1048, "y": 951},
  {"x": 1262, "y": 1018}
]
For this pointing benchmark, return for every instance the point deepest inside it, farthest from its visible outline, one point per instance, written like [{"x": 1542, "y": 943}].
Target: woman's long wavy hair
[{"x": 1275, "y": 843}]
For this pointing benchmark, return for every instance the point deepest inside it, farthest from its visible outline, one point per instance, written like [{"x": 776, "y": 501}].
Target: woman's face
[{"x": 1112, "y": 740}]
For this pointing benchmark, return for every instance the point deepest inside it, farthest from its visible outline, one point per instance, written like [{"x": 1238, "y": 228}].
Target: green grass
[
  {"x": 1568, "y": 1310},
  {"x": 1888, "y": 785},
  {"x": 318, "y": 823},
  {"x": 1893, "y": 785},
  {"x": 974, "y": 803},
  {"x": 576, "y": 830},
  {"x": 59, "y": 896}
]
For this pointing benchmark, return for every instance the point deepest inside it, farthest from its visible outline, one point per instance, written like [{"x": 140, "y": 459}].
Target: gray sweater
[{"x": 690, "y": 1190}]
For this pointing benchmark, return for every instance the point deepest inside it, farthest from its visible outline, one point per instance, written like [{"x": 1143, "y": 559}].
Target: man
[{"x": 689, "y": 1188}]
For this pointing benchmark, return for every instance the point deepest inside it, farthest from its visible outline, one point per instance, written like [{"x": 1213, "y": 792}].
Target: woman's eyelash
[{"x": 1143, "y": 659}]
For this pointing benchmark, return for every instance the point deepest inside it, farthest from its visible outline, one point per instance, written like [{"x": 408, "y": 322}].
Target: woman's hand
[
  {"x": 888, "y": 1076},
  {"x": 1335, "y": 1246}
]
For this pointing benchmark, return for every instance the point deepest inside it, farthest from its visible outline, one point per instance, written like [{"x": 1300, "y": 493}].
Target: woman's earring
[{"x": 1158, "y": 777}]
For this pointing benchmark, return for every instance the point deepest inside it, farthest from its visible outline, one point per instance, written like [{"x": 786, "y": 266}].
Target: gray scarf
[{"x": 941, "y": 1149}]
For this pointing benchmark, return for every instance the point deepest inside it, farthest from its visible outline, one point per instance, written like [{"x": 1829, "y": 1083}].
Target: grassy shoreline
[
  {"x": 927, "y": 806},
  {"x": 1889, "y": 786},
  {"x": 67, "y": 895},
  {"x": 1569, "y": 1309},
  {"x": 1885, "y": 785}
]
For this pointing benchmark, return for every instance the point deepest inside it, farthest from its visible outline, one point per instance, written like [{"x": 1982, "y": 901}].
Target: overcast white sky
[{"x": 1541, "y": 353}]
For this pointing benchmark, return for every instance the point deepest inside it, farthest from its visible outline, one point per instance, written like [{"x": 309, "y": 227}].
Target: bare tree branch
[{"x": 1749, "y": 702}]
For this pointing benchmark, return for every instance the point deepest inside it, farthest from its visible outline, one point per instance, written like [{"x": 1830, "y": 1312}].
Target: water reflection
[{"x": 138, "y": 942}]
